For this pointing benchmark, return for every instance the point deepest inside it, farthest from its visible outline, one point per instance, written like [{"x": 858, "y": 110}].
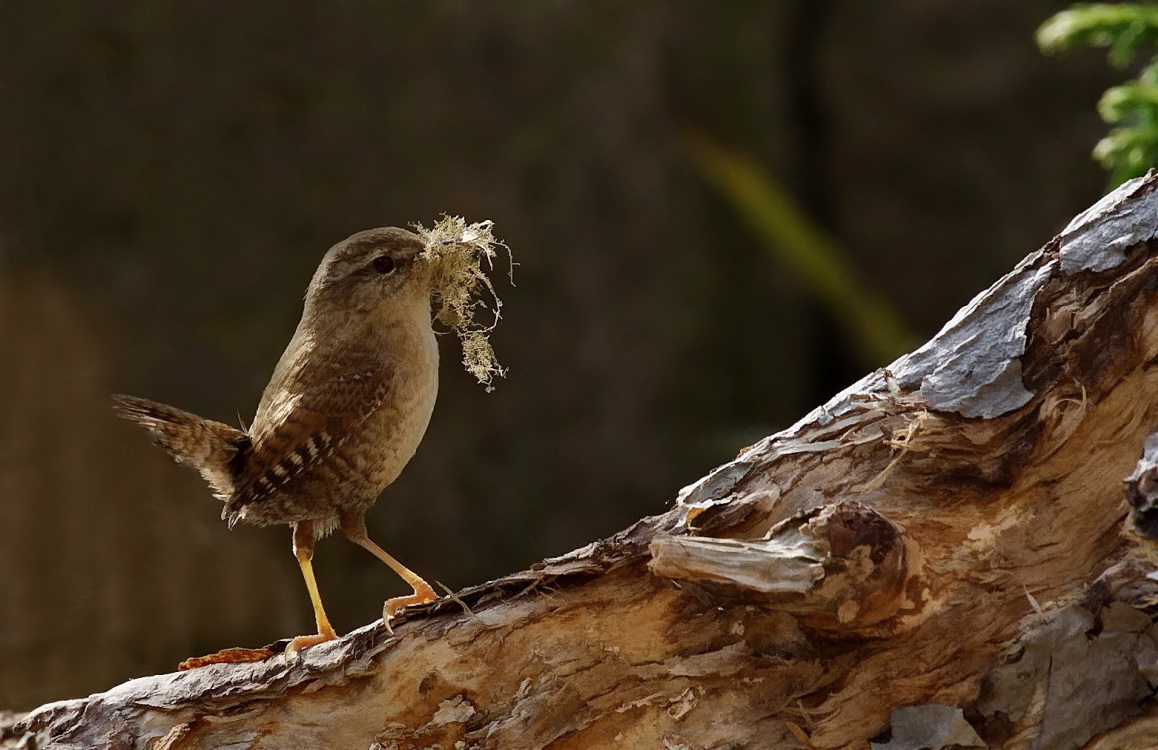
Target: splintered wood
[{"x": 941, "y": 556}]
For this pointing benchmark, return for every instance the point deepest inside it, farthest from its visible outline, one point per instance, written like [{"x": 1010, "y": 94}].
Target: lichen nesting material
[{"x": 456, "y": 253}]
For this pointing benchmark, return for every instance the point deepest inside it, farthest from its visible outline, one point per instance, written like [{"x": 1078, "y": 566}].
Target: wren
[{"x": 343, "y": 414}]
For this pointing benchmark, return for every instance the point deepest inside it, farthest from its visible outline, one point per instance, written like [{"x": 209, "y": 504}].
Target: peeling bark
[{"x": 942, "y": 555}]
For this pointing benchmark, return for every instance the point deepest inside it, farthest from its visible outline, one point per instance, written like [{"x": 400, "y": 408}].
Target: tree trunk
[{"x": 942, "y": 555}]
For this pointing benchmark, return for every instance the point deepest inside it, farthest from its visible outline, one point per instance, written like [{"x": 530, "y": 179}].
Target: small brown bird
[{"x": 347, "y": 405}]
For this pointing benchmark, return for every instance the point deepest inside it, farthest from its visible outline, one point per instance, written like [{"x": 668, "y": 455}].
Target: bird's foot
[
  {"x": 305, "y": 641},
  {"x": 423, "y": 594}
]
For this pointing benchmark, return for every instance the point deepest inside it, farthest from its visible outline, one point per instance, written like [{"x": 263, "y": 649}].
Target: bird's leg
[
  {"x": 355, "y": 530},
  {"x": 304, "y": 551}
]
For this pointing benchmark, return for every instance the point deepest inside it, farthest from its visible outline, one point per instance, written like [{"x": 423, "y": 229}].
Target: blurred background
[{"x": 722, "y": 214}]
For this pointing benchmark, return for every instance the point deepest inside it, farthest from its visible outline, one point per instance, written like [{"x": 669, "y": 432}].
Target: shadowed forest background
[{"x": 171, "y": 174}]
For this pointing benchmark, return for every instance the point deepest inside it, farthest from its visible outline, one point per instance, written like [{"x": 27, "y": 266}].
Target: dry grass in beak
[{"x": 456, "y": 253}]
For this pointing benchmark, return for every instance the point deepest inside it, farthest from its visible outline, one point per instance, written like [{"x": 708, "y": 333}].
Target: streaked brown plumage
[{"x": 344, "y": 412}]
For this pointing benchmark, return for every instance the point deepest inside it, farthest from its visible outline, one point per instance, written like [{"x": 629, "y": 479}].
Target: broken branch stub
[
  {"x": 936, "y": 554},
  {"x": 841, "y": 569}
]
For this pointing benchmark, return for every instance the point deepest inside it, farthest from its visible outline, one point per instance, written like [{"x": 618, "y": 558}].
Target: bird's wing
[{"x": 301, "y": 428}]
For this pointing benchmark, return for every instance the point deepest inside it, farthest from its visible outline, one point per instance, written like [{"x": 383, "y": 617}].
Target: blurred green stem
[{"x": 795, "y": 240}]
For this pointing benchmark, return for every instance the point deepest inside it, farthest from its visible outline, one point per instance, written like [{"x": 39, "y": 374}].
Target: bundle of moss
[{"x": 456, "y": 253}]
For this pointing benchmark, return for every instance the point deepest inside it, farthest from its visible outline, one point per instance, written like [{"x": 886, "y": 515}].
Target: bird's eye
[{"x": 384, "y": 264}]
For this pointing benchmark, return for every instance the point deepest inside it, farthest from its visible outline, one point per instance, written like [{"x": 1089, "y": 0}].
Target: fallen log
[{"x": 944, "y": 555}]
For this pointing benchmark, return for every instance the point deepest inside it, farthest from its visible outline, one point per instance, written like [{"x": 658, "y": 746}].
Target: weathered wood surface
[{"x": 942, "y": 555}]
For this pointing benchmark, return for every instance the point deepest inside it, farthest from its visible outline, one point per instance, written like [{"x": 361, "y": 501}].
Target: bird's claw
[
  {"x": 305, "y": 641},
  {"x": 423, "y": 594}
]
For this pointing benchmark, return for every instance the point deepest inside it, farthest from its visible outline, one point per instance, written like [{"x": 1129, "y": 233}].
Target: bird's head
[{"x": 374, "y": 271}]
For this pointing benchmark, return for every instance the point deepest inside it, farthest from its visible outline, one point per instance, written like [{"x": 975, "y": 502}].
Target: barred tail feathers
[{"x": 210, "y": 447}]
